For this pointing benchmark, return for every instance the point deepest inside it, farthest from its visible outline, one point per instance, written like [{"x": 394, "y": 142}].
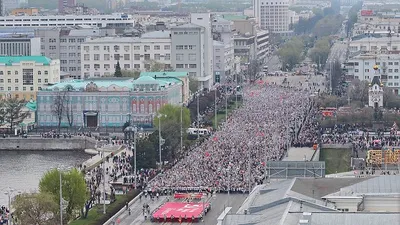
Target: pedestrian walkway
[{"x": 137, "y": 217}]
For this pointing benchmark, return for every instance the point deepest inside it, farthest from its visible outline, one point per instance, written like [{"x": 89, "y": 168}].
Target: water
[{"x": 22, "y": 170}]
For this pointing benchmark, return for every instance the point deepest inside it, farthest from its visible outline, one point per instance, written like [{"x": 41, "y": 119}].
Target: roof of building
[
  {"x": 164, "y": 74},
  {"x": 376, "y": 80},
  {"x": 333, "y": 218},
  {"x": 9, "y": 60},
  {"x": 235, "y": 17},
  {"x": 114, "y": 40},
  {"x": 187, "y": 25},
  {"x": 157, "y": 34},
  {"x": 103, "y": 82}
]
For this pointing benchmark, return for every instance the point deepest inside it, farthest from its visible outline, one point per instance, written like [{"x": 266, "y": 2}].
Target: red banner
[{"x": 188, "y": 195}]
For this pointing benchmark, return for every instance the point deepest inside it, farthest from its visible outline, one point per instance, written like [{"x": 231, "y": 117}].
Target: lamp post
[
  {"x": 9, "y": 193},
  {"x": 61, "y": 199},
  {"x": 198, "y": 117},
  {"x": 215, "y": 108},
  {"x": 159, "y": 137},
  {"x": 181, "y": 127}
]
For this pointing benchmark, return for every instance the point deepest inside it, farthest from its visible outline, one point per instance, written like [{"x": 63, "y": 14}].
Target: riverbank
[{"x": 46, "y": 144}]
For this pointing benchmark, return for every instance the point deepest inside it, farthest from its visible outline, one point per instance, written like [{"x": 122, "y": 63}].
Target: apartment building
[
  {"x": 22, "y": 76},
  {"x": 9, "y": 5},
  {"x": 65, "y": 44},
  {"x": 375, "y": 43},
  {"x": 223, "y": 32},
  {"x": 99, "y": 56},
  {"x": 19, "y": 45},
  {"x": 273, "y": 15},
  {"x": 115, "y": 20},
  {"x": 62, "y": 4}
]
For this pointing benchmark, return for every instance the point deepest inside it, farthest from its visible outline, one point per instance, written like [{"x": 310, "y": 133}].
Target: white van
[{"x": 202, "y": 132}]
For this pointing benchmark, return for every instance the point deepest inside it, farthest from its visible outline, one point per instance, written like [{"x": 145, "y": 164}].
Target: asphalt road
[{"x": 338, "y": 52}]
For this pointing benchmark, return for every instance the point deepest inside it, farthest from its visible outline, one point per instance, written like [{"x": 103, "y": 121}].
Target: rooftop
[
  {"x": 164, "y": 74},
  {"x": 157, "y": 34},
  {"x": 187, "y": 25},
  {"x": 9, "y": 60},
  {"x": 235, "y": 17}
]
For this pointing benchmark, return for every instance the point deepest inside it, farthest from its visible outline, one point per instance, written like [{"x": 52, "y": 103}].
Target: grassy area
[
  {"x": 336, "y": 160},
  {"x": 221, "y": 116},
  {"x": 96, "y": 216}
]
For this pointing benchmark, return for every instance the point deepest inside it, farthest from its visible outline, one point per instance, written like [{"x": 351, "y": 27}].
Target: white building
[
  {"x": 19, "y": 45},
  {"x": 273, "y": 15},
  {"x": 99, "y": 56},
  {"x": 375, "y": 93},
  {"x": 262, "y": 45},
  {"x": 374, "y": 43},
  {"x": 115, "y": 20},
  {"x": 23, "y": 76}
]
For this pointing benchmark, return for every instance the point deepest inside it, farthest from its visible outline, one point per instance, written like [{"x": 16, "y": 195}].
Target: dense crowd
[
  {"x": 4, "y": 213},
  {"x": 257, "y": 132}
]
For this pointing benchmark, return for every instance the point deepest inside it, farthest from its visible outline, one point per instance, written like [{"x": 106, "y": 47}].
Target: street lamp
[
  {"x": 159, "y": 136},
  {"x": 9, "y": 193},
  {"x": 182, "y": 127},
  {"x": 135, "y": 130},
  {"x": 61, "y": 199}
]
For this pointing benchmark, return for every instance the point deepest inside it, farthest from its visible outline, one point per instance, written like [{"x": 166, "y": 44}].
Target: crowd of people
[
  {"x": 4, "y": 214},
  {"x": 234, "y": 157}
]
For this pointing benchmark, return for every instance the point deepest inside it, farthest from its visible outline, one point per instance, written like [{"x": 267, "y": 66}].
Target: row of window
[
  {"x": 16, "y": 72},
  {"x": 383, "y": 71},
  {"x": 127, "y": 47},
  {"x": 378, "y": 63},
  {"x": 17, "y": 89},
  {"x": 71, "y": 61},
  {"x": 16, "y": 80},
  {"x": 106, "y": 57},
  {"x": 186, "y": 47},
  {"x": 125, "y": 66},
  {"x": 190, "y": 66}
]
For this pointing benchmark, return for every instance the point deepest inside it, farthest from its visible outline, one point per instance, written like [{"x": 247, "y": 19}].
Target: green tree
[
  {"x": 147, "y": 149},
  {"x": 320, "y": 52},
  {"x": 59, "y": 107},
  {"x": 193, "y": 84},
  {"x": 156, "y": 66},
  {"x": 36, "y": 209},
  {"x": 14, "y": 112},
  {"x": 73, "y": 189},
  {"x": 291, "y": 53},
  {"x": 329, "y": 25},
  {"x": 118, "y": 72},
  {"x": 173, "y": 114},
  {"x": 131, "y": 73}
]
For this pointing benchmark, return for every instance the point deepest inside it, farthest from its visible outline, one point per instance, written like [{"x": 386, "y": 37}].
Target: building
[
  {"x": 115, "y": 20},
  {"x": 245, "y": 47},
  {"x": 315, "y": 201},
  {"x": 109, "y": 102},
  {"x": 65, "y": 44},
  {"x": 205, "y": 20},
  {"x": 375, "y": 93},
  {"x": 8, "y": 5},
  {"x": 62, "y": 4},
  {"x": 374, "y": 43},
  {"x": 22, "y": 77},
  {"x": 25, "y": 12},
  {"x": 1, "y": 8},
  {"x": 99, "y": 56},
  {"x": 273, "y": 15},
  {"x": 188, "y": 53},
  {"x": 19, "y": 45}
]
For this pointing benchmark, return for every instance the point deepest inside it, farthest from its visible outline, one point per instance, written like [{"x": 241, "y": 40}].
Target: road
[
  {"x": 273, "y": 63},
  {"x": 338, "y": 52}
]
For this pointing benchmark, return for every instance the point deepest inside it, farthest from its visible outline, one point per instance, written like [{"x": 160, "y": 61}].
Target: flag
[
  {"x": 207, "y": 154},
  {"x": 215, "y": 138}
]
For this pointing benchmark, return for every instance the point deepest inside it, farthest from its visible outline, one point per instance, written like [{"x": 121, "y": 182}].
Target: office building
[
  {"x": 115, "y": 20},
  {"x": 19, "y": 45},
  {"x": 111, "y": 102},
  {"x": 223, "y": 46},
  {"x": 273, "y": 15},
  {"x": 99, "y": 56},
  {"x": 22, "y": 77},
  {"x": 65, "y": 44},
  {"x": 62, "y": 4}
]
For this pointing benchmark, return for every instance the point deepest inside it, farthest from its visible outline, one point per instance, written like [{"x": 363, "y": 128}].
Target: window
[
  {"x": 192, "y": 57},
  {"x": 27, "y": 76},
  {"x": 366, "y": 70},
  {"x": 192, "y": 66},
  {"x": 126, "y": 48},
  {"x": 1, "y": 80},
  {"x": 39, "y": 80},
  {"x": 16, "y": 81},
  {"x": 39, "y": 72},
  {"x": 390, "y": 70},
  {"x": 96, "y": 57},
  {"x": 106, "y": 66},
  {"x": 116, "y": 56},
  {"x": 146, "y": 47},
  {"x": 63, "y": 40},
  {"x": 396, "y": 70},
  {"x": 96, "y": 48},
  {"x": 86, "y": 57},
  {"x": 72, "y": 48},
  {"x": 80, "y": 40},
  {"x": 52, "y": 47},
  {"x": 86, "y": 66},
  {"x": 24, "y": 88},
  {"x": 86, "y": 48},
  {"x": 136, "y": 47},
  {"x": 16, "y": 72},
  {"x": 8, "y": 72},
  {"x": 127, "y": 56},
  {"x": 396, "y": 77},
  {"x": 179, "y": 57},
  {"x": 73, "y": 54},
  {"x": 63, "y": 61},
  {"x": 136, "y": 56},
  {"x": 156, "y": 47},
  {"x": 106, "y": 48},
  {"x": 366, "y": 63},
  {"x": 167, "y": 56},
  {"x": 356, "y": 70},
  {"x": 192, "y": 47},
  {"x": 31, "y": 88},
  {"x": 390, "y": 63},
  {"x": 147, "y": 66},
  {"x": 179, "y": 66},
  {"x": 127, "y": 66},
  {"x": 136, "y": 66},
  {"x": 116, "y": 48},
  {"x": 167, "y": 47},
  {"x": 1, "y": 72},
  {"x": 396, "y": 63},
  {"x": 106, "y": 56},
  {"x": 46, "y": 81},
  {"x": 72, "y": 40},
  {"x": 46, "y": 72},
  {"x": 16, "y": 88},
  {"x": 146, "y": 56},
  {"x": 157, "y": 56},
  {"x": 179, "y": 47},
  {"x": 9, "y": 81},
  {"x": 9, "y": 88}
]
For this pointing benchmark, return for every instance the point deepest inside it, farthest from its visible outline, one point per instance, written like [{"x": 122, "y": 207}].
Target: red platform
[{"x": 175, "y": 211}]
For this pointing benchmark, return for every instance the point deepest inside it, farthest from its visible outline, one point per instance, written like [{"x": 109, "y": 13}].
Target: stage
[{"x": 180, "y": 212}]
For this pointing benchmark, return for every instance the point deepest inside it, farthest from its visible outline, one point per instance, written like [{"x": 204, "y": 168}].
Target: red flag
[
  {"x": 207, "y": 154},
  {"x": 215, "y": 138},
  {"x": 252, "y": 94},
  {"x": 263, "y": 163}
]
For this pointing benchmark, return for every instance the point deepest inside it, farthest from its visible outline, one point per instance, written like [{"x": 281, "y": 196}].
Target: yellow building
[
  {"x": 22, "y": 76},
  {"x": 25, "y": 12}
]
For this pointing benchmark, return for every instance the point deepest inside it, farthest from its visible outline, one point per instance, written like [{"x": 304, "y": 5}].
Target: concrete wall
[{"x": 37, "y": 144}]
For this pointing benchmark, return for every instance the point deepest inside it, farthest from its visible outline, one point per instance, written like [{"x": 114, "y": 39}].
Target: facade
[
  {"x": 1, "y": 8},
  {"x": 223, "y": 45},
  {"x": 273, "y": 15},
  {"x": 9, "y": 5},
  {"x": 19, "y": 45},
  {"x": 100, "y": 56},
  {"x": 110, "y": 102},
  {"x": 62, "y": 4},
  {"x": 21, "y": 77},
  {"x": 375, "y": 93},
  {"x": 65, "y": 44},
  {"x": 25, "y": 12},
  {"x": 245, "y": 47},
  {"x": 262, "y": 45},
  {"x": 361, "y": 67},
  {"x": 115, "y": 20},
  {"x": 374, "y": 43}
]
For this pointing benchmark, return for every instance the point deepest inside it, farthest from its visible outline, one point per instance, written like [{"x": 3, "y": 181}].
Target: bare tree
[
  {"x": 59, "y": 107},
  {"x": 14, "y": 112},
  {"x": 69, "y": 112}
]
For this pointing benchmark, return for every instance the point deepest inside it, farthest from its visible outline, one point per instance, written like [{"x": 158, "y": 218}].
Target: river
[{"x": 22, "y": 170}]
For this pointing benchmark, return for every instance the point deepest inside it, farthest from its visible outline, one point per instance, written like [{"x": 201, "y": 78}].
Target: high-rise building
[
  {"x": 273, "y": 15},
  {"x": 8, "y": 5},
  {"x": 19, "y": 45},
  {"x": 62, "y": 4}
]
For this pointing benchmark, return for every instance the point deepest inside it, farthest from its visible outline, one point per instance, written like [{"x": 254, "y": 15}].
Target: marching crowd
[
  {"x": 4, "y": 213},
  {"x": 255, "y": 133}
]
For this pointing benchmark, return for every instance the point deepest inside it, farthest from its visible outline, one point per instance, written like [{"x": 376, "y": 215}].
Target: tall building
[
  {"x": 23, "y": 76},
  {"x": 1, "y": 8},
  {"x": 273, "y": 15},
  {"x": 9, "y": 5},
  {"x": 65, "y": 44},
  {"x": 62, "y": 4},
  {"x": 19, "y": 45}
]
